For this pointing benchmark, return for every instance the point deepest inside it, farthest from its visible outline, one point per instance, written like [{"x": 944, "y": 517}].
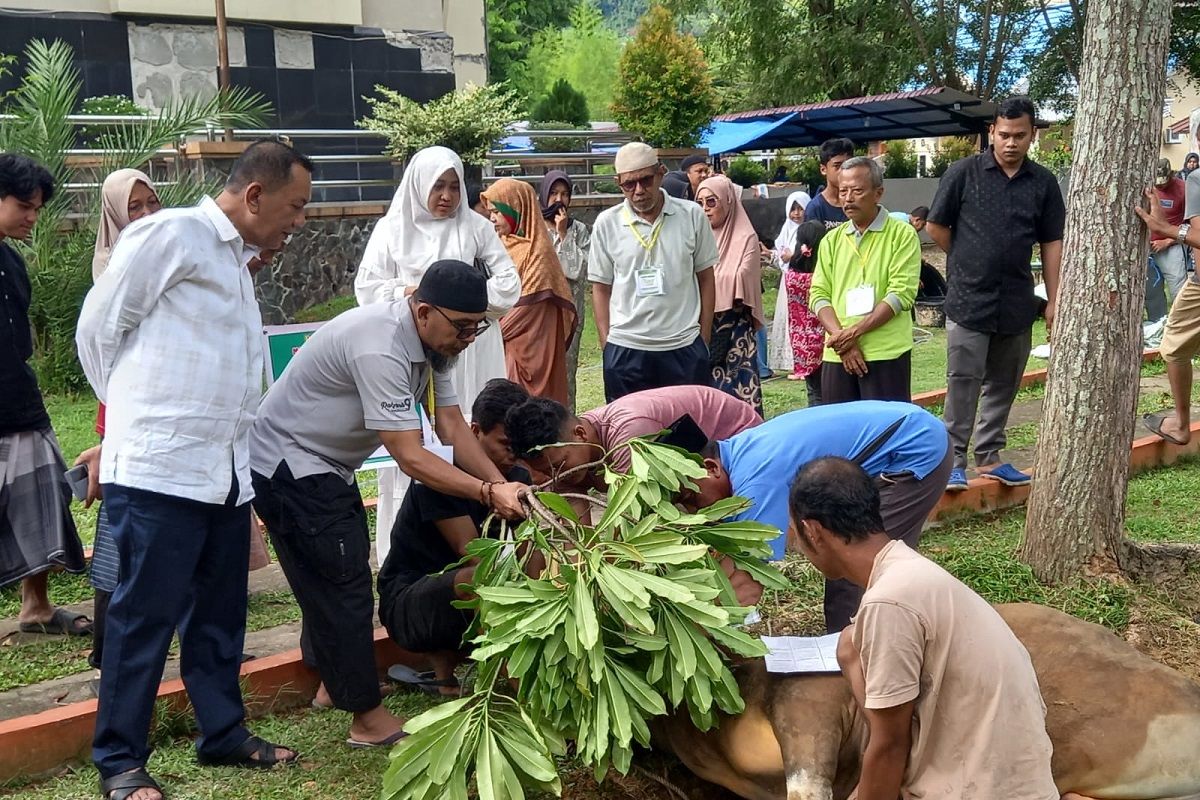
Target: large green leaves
[{"x": 633, "y": 619}]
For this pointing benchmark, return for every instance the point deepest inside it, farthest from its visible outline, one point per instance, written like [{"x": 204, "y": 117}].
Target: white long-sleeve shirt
[{"x": 170, "y": 340}]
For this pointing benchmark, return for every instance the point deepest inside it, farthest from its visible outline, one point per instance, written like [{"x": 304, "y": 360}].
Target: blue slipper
[
  {"x": 1008, "y": 475},
  {"x": 957, "y": 481}
]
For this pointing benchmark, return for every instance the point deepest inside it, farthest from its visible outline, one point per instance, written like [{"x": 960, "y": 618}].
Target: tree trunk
[{"x": 1076, "y": 515}]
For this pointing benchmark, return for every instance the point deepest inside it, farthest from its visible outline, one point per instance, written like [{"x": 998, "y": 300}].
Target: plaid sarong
[{"x": 36, "y": 528}]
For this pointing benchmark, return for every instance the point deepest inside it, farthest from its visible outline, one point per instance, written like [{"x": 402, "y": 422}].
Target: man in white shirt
[
  {"x": 359, "y": 382},
  {"x": 169, "y": 338},
  {"x": 653, "y": 293},
  {"x": 949, "y": 693}
]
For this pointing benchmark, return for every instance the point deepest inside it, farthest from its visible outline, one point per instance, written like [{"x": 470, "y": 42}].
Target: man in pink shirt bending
[{"x": 540, "y": 421}]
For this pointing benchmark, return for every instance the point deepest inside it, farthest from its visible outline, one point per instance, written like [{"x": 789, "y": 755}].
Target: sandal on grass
[
  {"x": 125, "y": 785},
  {"x": 62, "y": 623},
  {"x": 427, "y": 682},
  {"x": 254, "y": 753},
  {"x": 355, "y": 744}
]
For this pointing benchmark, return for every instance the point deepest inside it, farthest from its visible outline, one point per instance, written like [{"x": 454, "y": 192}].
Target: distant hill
[{"x": 622, "y": 15}]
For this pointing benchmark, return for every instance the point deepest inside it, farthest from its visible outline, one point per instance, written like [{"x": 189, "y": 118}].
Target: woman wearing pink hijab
[{"x": 733, "y": 351}]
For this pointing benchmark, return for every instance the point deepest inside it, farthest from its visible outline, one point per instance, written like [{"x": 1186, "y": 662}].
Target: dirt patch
[{"x": 1159, "y": 629}]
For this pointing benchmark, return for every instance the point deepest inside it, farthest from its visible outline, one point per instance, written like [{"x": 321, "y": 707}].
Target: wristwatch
[{"x": 1184, "y": 230}]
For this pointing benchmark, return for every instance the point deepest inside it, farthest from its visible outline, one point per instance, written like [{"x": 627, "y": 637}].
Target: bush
[
  {"x": 606, "y": 187},
  {"x": 664, "y": 90},
  {"x": 468, "y": 121},
  {"x": 745, "y": 171},
  {"x": 106, "y": 105},
  {"x": 556, "y": 144},
  {"x": 562, "y": 103},
  {"x": 900, "y": 161},
  {"x": 947, "y": 152},
  {"x": 803, "y": 169}
]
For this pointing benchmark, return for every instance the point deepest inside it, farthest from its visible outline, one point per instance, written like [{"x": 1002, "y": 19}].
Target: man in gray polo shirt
[
  {"x": 355, "y": 384},
  {"x": 653, "y": 292}
]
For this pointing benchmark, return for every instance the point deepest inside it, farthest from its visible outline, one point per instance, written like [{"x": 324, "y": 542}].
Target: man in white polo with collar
[
  {"x": 651, "y": 269},
  {"x": 356, "y": 384}
]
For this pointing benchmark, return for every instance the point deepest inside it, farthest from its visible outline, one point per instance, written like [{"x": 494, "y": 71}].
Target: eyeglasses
[
  {"x": 709, "y": 202},
  {"x": 646, "y": 181},
  {"x": 466, "y": 330}
]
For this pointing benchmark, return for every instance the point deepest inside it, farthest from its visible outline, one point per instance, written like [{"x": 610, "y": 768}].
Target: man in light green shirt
[{"x": 862, "y": 292}]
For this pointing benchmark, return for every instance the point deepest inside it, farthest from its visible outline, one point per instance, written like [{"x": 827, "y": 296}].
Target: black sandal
[
  {"x": 125, "y": 785},
  {"x": 244, "y": 755}
]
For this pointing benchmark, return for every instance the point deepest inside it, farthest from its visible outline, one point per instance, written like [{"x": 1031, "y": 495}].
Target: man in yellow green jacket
[{"x": 862, "y": 292}]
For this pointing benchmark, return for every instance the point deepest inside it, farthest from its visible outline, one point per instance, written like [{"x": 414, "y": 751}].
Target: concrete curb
[{"x": 40, "y": 743}]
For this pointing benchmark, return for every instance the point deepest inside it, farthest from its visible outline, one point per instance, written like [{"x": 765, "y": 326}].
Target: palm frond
[{"x": 132, "y": 144}]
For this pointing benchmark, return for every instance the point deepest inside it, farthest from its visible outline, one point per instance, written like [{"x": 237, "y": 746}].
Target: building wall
[
  {"x": 450, "y": 33},
  {"x": 1182, "y": 99}
]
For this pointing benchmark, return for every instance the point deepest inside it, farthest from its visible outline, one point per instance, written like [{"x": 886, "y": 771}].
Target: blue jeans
[
  {"x": 183, "y": 564},
  {"x": 764, "y": 371}
]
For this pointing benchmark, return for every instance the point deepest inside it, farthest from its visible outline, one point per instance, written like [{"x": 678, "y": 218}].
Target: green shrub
[
  {"x": 745, "y": 171},
  {"x": 556, "y": 144},
  {"x": 606, "y": 187},
  {"x": 106, "y": 105},
  {"x": 803, "y": 169},
  {"x": 664, "y": 91},
  {"x": 947, "y": 152},
  {"x": 562, "y": 103},
  {"x": 468, "y": 121},
  {"x": 900, "y": 161}
]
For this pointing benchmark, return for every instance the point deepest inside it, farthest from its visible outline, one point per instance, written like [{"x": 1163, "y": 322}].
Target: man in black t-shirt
[
  {"x": 37, "y": 532},
  {"x": 431, "y": 532},
  {"x": 826, "y": 207}
]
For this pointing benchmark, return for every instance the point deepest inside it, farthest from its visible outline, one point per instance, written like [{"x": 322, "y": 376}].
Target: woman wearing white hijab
[
  {"x": 427, "y": 222},
  {"x": 779, "y": 353}
]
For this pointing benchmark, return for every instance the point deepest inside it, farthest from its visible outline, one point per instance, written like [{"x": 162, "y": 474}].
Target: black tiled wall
[{"x": 330, "y": 96}]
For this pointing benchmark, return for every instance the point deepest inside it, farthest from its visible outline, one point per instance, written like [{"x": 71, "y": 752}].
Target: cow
[{"x": 1124, "y": 727}]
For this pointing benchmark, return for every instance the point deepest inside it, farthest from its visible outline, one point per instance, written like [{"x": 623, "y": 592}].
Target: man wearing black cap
[
  {"x": 696, "y": 169},
  {"x": 356, "y": 384}
]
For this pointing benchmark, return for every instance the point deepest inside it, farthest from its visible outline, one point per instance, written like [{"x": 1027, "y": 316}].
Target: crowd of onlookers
[{"x": 470, "y": 307}]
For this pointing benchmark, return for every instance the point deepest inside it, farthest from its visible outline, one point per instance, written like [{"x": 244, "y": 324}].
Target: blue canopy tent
[{"x": 931, "y": 112}]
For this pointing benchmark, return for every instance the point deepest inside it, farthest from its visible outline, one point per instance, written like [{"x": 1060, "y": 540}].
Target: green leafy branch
[{"x": 633, "y": 619}]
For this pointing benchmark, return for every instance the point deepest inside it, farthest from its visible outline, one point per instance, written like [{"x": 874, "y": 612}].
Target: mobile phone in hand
[{"x": 77, "y": 478}]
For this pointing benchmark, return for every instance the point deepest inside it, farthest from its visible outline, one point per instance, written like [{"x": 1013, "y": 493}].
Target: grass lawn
[{"x": 978, "y": 549}]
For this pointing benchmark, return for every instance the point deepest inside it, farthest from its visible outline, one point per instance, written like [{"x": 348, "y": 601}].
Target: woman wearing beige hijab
[{"x": 127, "y": 196}]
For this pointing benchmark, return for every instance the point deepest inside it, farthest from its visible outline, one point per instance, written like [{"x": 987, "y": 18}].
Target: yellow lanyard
[
  {"x": 429, "y": 399},
  {"x": 654, "y": 232},
  {"x": 862, "y": 254}
]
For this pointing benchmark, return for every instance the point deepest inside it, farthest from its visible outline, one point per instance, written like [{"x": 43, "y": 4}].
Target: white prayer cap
[{"x": 635, "y": 156}]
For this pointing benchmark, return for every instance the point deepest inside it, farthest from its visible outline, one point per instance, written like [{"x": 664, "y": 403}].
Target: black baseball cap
[{"x": 454, "y": 285}]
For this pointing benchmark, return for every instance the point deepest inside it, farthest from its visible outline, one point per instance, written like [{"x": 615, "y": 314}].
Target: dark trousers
[
  {"x": 885, "y": 380},
  {"x": 983, "y": 372},
  {"x": 627, "y": 370},
  {"x": 905, "y": 503},
  {"x": 99, "y": 624},
  {"x": 813, "y": 386},
  {"x": 319, "y": 529},
  {"x": 183, "y": 564}
]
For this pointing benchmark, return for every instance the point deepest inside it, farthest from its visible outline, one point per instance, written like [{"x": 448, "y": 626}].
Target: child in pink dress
[{"x": 805, "y": 331}]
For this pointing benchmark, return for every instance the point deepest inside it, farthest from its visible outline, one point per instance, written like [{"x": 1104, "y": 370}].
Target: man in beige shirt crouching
[{"x": 949, "y": 693}]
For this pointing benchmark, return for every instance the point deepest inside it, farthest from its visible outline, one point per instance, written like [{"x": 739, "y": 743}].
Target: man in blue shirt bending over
[{"x": 903, "y": 447}]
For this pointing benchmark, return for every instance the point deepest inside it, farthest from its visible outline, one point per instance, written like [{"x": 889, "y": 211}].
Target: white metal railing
[
  {"x": 501, "y": 163},
  {"x": 585, "y": 184}
]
